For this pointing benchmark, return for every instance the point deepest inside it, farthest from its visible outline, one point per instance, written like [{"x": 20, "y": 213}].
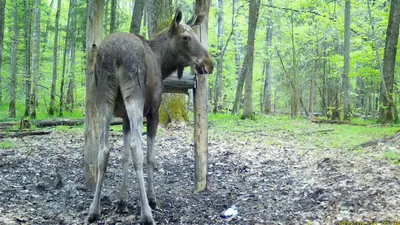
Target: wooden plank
[{"x": 174, "y": 85}]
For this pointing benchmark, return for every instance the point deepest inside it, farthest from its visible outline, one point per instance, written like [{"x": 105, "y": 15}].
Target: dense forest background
[{"x": 311, "y": 57}]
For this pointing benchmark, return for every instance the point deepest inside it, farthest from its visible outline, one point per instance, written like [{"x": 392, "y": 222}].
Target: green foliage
[{"x": 318, "y": 29}]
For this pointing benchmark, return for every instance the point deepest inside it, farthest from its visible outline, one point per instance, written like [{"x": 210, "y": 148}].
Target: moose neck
[{"x": 166, "y": 57}]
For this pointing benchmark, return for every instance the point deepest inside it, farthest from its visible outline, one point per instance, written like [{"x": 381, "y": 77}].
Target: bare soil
[{"x": 41, "y": 182}]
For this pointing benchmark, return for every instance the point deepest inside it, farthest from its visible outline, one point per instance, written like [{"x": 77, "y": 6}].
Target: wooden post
[
  {"x": 200, "y": 109},
  {"x": 94, "y": 35}
]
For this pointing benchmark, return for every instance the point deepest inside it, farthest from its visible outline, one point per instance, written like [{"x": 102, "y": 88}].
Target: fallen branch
[
  {"x": 23, "y": 134},
  {"x": 333, "y": 122},
  {"x": 57, "y": 122},
  {"x": 317, "y": 131}
]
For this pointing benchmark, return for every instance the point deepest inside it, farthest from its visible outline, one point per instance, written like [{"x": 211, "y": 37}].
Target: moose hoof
[
  {"x": 148, "y": 222},
  {"x": 122, "y": 207},
  {"x": 93, "y": 217},
  {"x": 153, "y": 204}
]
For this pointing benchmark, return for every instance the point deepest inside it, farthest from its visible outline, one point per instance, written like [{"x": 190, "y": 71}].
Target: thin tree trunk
[
  {"x": 360, "y": 93},
  {"x": 312, "y": 89},
  {"x": 268, "y": 68},
  {"x": 218, "y": 78},
  {"x": 238, "y": 45},
  {"x": 55, "y": 48},
  {"x": 71, "y": 86},
  {"x": 35, "y": 56},
  {"x": 48, "y": 24},
  {"x": 248, "y": 96},
  {"x": 67, "y": 37},
  {"x": 239, "y": 88},
  {"x": 2, "y": 11},
  {"x": 27, "y": 37},
  {"x": 13, "y": 77},
  {"x": 113, "y": 16},
  {"x": 94, "y": 35},
  {"x": 137, "y": 15},
  {"x": 151, "y": 12},
  {"x": 346, "y": 69},
  {"x": 294, "y": 103}
]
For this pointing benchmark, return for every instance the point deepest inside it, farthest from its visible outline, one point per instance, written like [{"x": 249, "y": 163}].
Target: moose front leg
[{"x": 152, "y": 124}]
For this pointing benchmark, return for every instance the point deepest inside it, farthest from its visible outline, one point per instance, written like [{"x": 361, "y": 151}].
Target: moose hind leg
[
  {"x": 123, "y": 194},
  {"x": 152, "y": 124},
  {"x": 134, "y": 108},
  {"x": 102, "y": 161}
]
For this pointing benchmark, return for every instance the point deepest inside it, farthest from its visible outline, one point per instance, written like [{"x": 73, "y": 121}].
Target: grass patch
[
  {"x": 392, "y": 156},
  {"x": 301, "y": 132},
  {"x": 6, "y": 145}
]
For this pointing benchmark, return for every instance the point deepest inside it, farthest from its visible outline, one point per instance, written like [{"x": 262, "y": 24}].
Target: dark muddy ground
[{"x": 269, "y": 182}]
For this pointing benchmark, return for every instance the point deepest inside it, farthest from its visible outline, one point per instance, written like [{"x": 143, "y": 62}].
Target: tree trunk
[
  {"x": 27, "y": 37},
  {"x": 346, "y": 69},
  {"x": 35, "y": 56},
  {"x": 218, "y": 78},
  {"x": 13, "y": 77},
  {"x": 2, "y": 11},
  {"x": 295, "y": 95},
  {"x": 173, "y": 107},
  {"x": 151, "y": 17},
  {"x": 71, "y": 86},
  {"x": 113, "y": 16},
  {"x": 94, "y": 35},
  {"x": 239, "y": 87},
  {"x": 48, "y": 24},
  {"x": 312, "y": 89},
  {"x": 137, "y": 15},
  {"x": 268, "y": 69},
  {"x": 238, "y": 45},
  {"x": 55, "y": 48},
  {"x": 251, "y": 33},
  {"x": 387, "y": 109},
  {"x": 360, "y": 93}
]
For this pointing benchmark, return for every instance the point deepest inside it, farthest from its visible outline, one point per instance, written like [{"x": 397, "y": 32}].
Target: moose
[{"x": 129, "y": 72}]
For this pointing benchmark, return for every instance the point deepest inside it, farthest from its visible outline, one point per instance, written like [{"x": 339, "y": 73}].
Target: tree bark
[
  {"x": 268, "y": 69},
  {"x": 2, "y": 11},
  {"x": 251, "y": 33},
  {"x": 218, "y": 78},
  {"x": 70, "y": 101},
  {"x": 35, "y": 56},
  {"x": 27, "y": 37},
  {"x": 94, "y": 35},
  {"x": 137, "y": 15},
  {"x": 13, "y": 77},
  {"x": 346, "y": 69},
  {"x": 55, "y": 48}
]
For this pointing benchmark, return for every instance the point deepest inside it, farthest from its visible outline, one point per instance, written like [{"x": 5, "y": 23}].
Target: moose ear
[
  {"x": 196, "y": 20},
  {"x": 177, "y": 19}
]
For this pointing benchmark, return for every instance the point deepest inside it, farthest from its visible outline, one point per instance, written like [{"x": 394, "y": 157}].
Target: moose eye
[{"x": 186, "y": 38}]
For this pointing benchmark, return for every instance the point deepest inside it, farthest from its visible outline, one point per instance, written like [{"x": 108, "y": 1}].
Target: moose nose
[{"x": 208, "y": 64}]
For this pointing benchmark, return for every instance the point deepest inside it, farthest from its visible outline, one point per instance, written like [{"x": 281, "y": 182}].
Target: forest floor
[{"x": 274, "y": 170}]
